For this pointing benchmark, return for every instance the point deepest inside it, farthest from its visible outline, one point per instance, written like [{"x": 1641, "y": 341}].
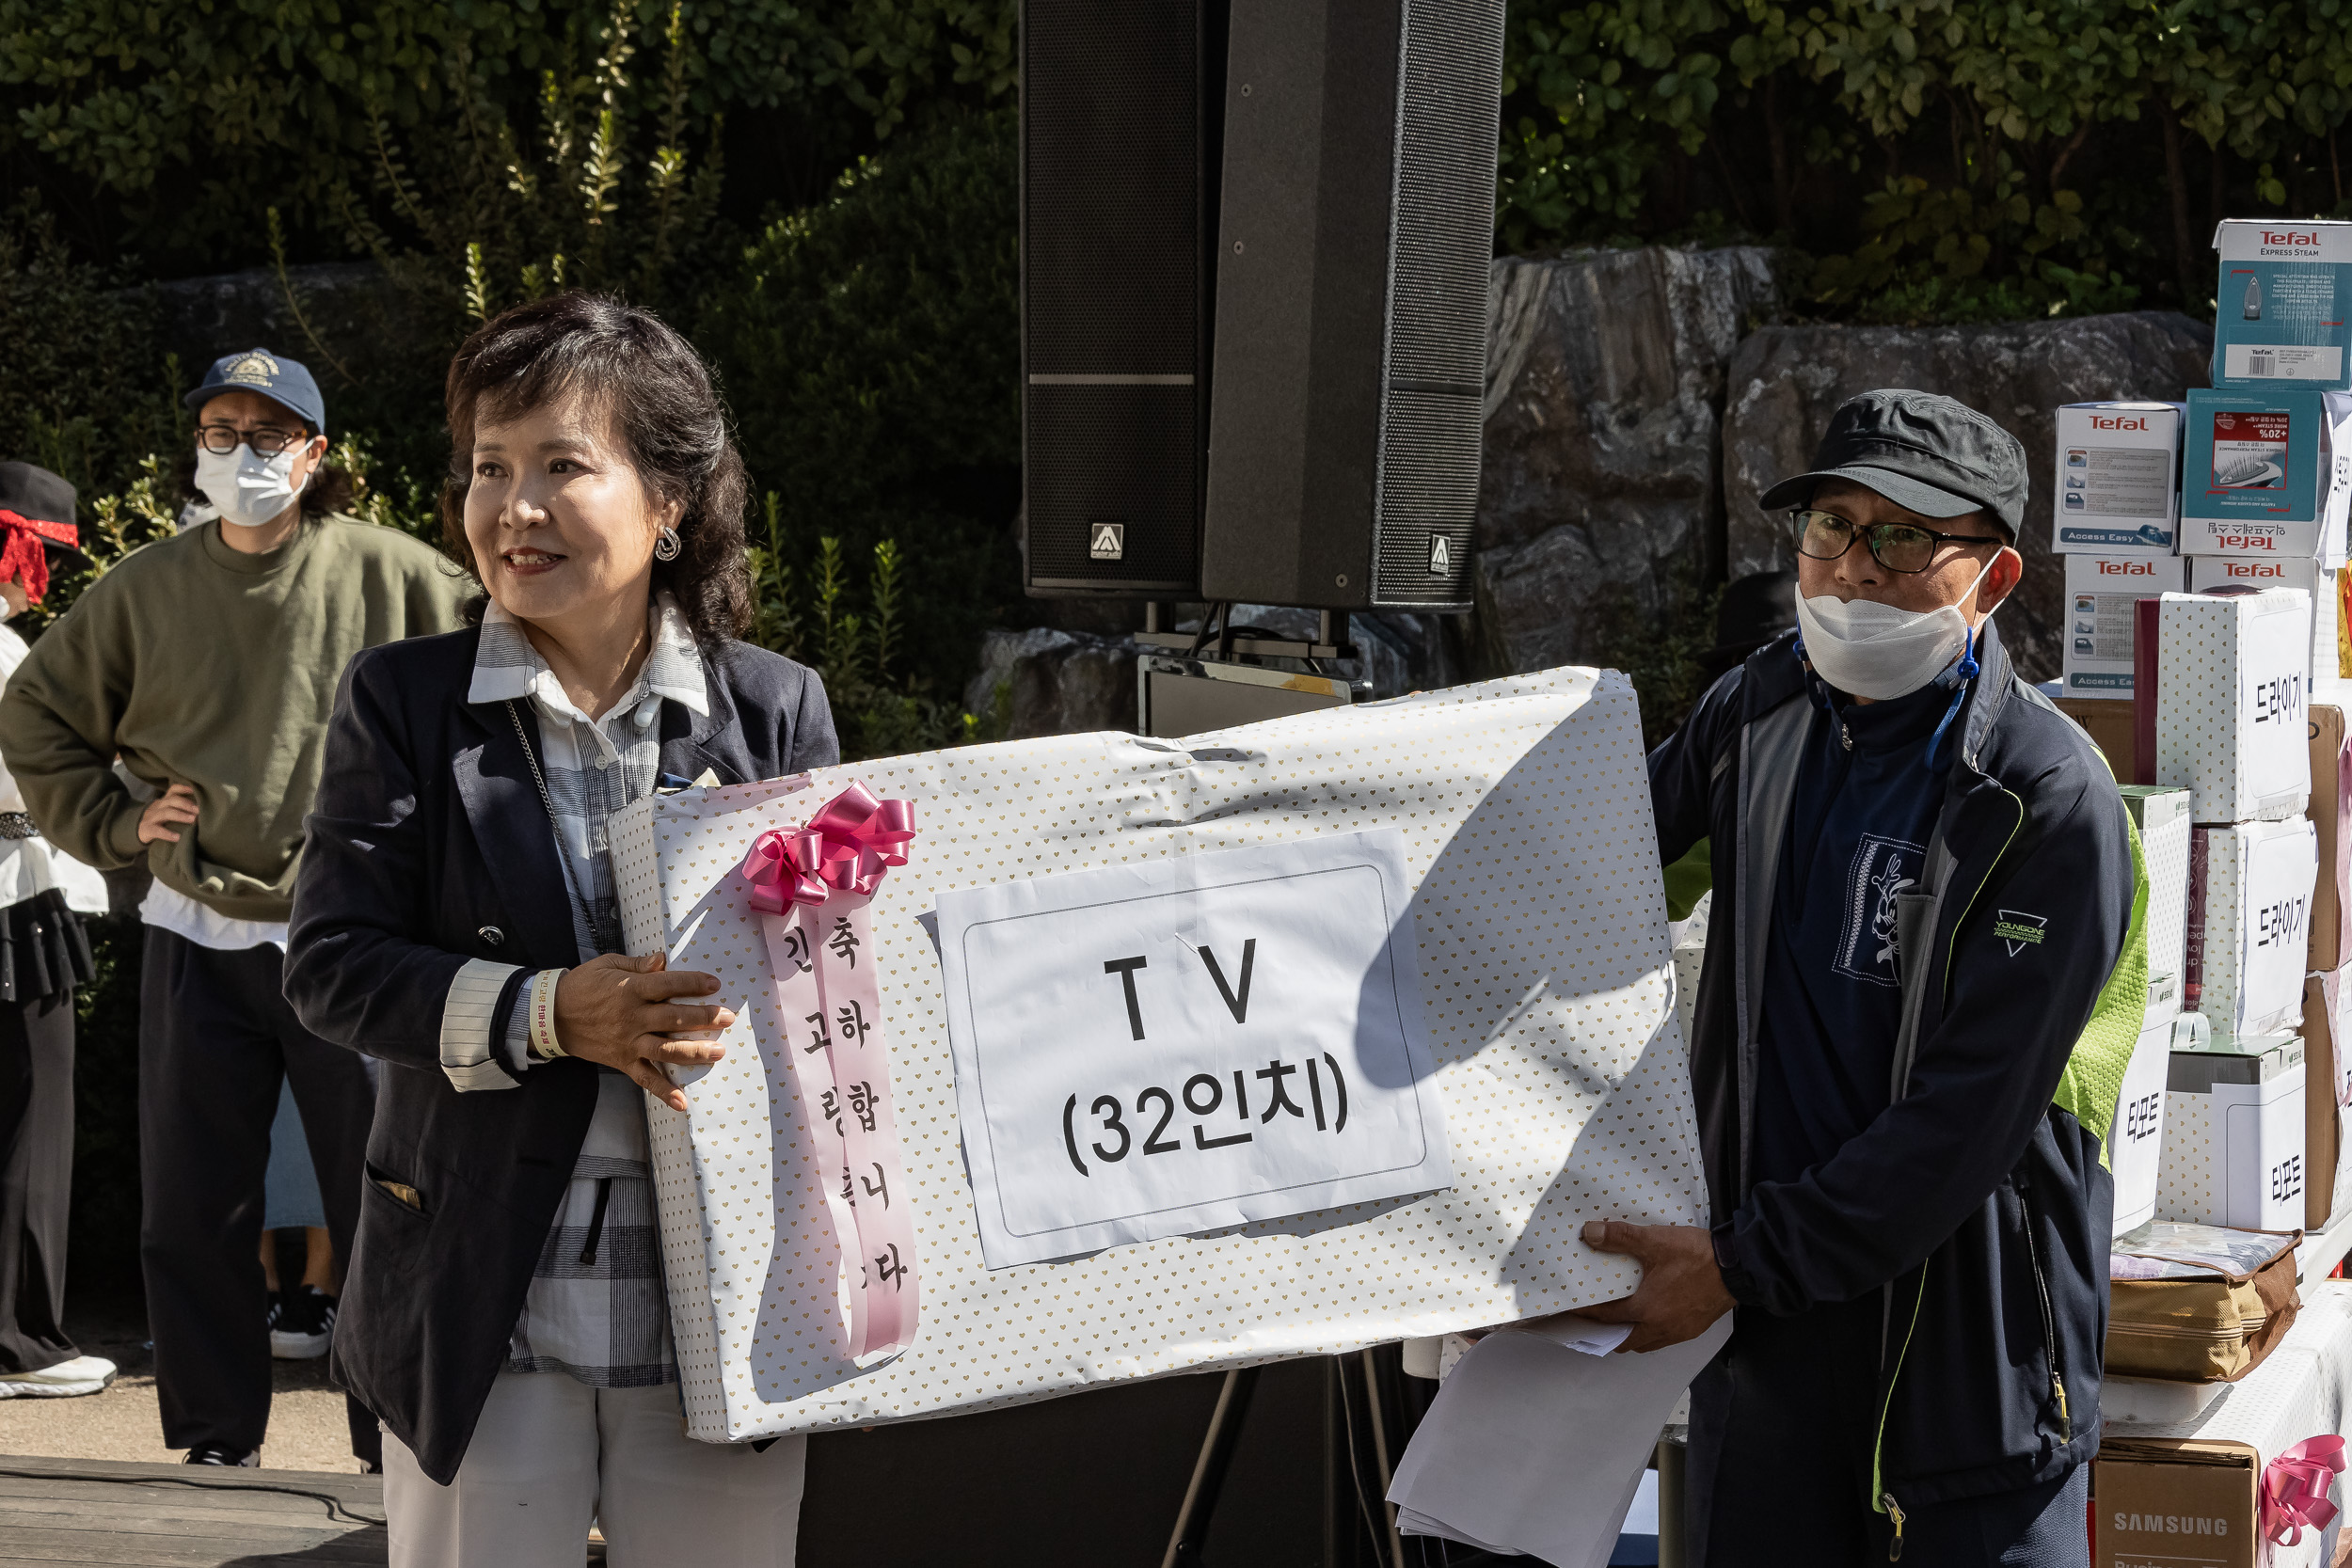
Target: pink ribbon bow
[
  {"x": 2294, "y": 1489},
  {"x": 847, "y": 846}
]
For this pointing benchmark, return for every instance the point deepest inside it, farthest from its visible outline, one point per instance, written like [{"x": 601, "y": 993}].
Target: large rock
[
  {"x": 1600, "y": 503},
  {"x": 1048, "y": 682},
  {"x": 1786, "y": 382}
]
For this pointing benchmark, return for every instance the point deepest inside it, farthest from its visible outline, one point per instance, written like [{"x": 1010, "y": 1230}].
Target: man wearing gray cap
[
  {"x": 1925, "y": 972},
  {"x": 208, "y": 663}
]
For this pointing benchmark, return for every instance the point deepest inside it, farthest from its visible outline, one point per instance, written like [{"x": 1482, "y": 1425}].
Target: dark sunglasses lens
[
  {"x": 1822, "y": 535},
  {"x": 1903, "y": 549}
]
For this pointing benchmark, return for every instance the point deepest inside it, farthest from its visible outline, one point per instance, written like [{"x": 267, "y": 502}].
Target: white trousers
[{"x": 549, "y": 1455}]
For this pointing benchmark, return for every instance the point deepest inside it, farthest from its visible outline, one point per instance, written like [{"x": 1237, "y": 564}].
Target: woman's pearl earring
[{"x": 666, "y": 544}]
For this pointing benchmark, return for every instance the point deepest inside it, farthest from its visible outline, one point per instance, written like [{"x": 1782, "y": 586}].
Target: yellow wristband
[{"x": 541, "y": 1002}]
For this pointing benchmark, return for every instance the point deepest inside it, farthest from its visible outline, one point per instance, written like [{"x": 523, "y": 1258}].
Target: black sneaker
[
  {"x": 221, "y": 1454},
  {"x": 303, "y": 1326}
]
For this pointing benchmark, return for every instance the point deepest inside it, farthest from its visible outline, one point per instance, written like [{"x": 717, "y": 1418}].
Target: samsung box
[
  {"x": 2118, "y": 479},
  {"x": 2249, "y": 901},
  {"x": 2232, "y": 1143},
  {"x": 2266, "y": 473},
  {"x": 2207, "y": 573},
  {"x": 2232, "y": 685},
  {"x": 2101, "y": 591},
  {"x": 2164, "y": 834},
  {"x": 2281, "y": 303}
]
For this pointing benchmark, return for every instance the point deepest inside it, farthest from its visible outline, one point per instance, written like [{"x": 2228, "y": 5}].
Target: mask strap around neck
[{"x": 1966, "y": 669}]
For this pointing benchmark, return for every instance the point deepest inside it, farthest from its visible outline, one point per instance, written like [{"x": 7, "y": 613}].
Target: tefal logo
[
  {"x": 2253, "y": 569},
  {"x": 2127, "y": 568},
  {"x": 2119, "y": 421},
  {"x": 2290, "y": 237},
  {"x": 2244, "y": 541}
]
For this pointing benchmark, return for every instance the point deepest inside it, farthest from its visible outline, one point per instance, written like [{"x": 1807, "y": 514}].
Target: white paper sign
[{"x": 1187, "y": 1044}]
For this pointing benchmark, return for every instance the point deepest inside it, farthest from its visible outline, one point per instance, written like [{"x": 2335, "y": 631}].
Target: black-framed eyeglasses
[
  {"x": 1903, "y": 547},
  {"x": 267, "y": 440}
]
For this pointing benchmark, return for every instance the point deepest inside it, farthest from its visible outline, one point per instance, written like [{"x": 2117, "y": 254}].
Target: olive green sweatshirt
[{"x": 200, "y": 665}]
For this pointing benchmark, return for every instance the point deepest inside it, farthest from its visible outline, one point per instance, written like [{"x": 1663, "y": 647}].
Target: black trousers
[
  {"x": 36, "y": 1180},
  {"x": 1782, "y": 1425},
  {"x": 216, "y": 1036}
]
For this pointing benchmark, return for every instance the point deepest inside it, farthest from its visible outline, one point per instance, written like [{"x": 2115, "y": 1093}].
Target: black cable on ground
[{"x": 336, "y": 1508}]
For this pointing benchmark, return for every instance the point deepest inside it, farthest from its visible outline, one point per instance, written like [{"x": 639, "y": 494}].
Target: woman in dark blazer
[{"x": 455, "y": 918}]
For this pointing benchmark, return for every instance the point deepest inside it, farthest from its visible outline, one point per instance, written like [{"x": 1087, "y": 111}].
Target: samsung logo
[
  {"x": 2171, "y": 1524},
  {"x": 2119, "y": 421},
  {"x": 2127, "y": 568}
]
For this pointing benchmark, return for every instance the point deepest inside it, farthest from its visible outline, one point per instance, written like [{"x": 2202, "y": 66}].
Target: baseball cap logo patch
[{"x": 257, "y": 370}]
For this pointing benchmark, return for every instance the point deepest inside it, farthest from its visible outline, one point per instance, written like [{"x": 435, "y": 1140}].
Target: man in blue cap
[
  {"x": 208, "y": 664},
  {"x": 1926, "y": 970}
]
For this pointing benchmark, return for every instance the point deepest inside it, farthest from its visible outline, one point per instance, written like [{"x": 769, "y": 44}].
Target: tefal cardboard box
[
  {"x": 2281, "y": 304},
  {"x": 2210, "y": 573},
  {"x": 2232, "y": 1144},
  {"x": 2101, "y": 592},
  {"x": 2111, "y": 728},
  {"x": 2231, "y": 685},
  {"x": 2164, "y": 835},
  {"x": 2266, "y": 474},
  {"x": 2327, "y": 1095},
  {"x": 2331, "y": 813},
  {"x": 2250, "y": 905},
  {"x": 2118, "y": 479}
]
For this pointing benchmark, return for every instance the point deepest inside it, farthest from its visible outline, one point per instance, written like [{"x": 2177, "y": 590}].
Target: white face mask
[
  {"x": 1868, "y": 649},
  {"x": 249, "y": 490}
]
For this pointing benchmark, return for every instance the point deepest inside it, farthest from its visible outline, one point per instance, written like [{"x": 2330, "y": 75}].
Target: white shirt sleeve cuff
[
  {"x": 466, "y": 1053},
  {"x": 514, "y": 1049}
]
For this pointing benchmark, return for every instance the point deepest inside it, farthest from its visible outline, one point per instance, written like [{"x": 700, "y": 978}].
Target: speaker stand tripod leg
[{"x": 1208, "y": 1471}]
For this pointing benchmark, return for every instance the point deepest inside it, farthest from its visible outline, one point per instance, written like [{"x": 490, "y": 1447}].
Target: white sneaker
[{"x": 84, "y": 1374}]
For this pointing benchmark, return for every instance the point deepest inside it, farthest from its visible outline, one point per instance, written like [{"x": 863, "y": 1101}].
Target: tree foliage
[{"x": 1945, "y": 156}]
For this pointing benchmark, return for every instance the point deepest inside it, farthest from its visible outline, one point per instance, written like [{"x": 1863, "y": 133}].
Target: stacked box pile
[{"x": 2228, "y": 723}]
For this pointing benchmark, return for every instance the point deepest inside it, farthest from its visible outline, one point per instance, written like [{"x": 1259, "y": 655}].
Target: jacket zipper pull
[
  {"x": 2066, "y": 1422},
  {"x": 1845, "y": 735},
  {"x": 1895, "y": 1513}
]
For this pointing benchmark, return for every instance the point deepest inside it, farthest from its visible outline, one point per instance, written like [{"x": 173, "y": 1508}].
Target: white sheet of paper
[
  {"x": 1186, "y": 1044},
  {"x": 1530, "y": 1447},
  {"x": 1581, "y": 1334}
]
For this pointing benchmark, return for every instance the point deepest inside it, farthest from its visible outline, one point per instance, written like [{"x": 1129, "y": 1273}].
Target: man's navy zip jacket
[{"x": 1976, "y": 1205}]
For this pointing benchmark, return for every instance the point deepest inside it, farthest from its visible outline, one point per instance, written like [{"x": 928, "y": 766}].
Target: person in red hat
[{"x": 43, "y": 956}]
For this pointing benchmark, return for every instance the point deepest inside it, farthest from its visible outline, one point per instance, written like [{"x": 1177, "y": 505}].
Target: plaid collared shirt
[{"x": 596, "y": 1311}]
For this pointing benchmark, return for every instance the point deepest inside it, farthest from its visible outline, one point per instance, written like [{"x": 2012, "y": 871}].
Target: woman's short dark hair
[{"x": 663, "y": 407}]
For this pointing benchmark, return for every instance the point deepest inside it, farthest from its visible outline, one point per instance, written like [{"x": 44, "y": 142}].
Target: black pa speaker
[
  {"x": 1356, "y": 230},
  {"x": 1121, "y": 102}
]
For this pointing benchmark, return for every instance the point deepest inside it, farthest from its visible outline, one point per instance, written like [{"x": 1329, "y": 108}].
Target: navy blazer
[{"x": 429, "y": 846}]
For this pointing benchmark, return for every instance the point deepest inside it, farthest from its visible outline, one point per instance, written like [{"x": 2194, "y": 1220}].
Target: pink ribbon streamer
[
  {"x": 811, "y": 887},
  {"x": 2294, "y": 1489}
]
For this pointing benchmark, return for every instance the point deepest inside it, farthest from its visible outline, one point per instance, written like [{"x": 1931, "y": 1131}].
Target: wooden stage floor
[{"x": 93, "y": 1511}]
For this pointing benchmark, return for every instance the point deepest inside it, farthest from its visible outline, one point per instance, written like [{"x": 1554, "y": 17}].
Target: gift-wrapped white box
[
  {"x": 2164, "y": 835},
  {"x": 2250, "y": 905},
  {"x": 2315, "y": 578},
  {"x": 2233, "y": 682},
  {"x": 1523, "y": 807},
  {"x": 2232, "y": 1149},
  {"x": 2135, "y": 1146}
]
